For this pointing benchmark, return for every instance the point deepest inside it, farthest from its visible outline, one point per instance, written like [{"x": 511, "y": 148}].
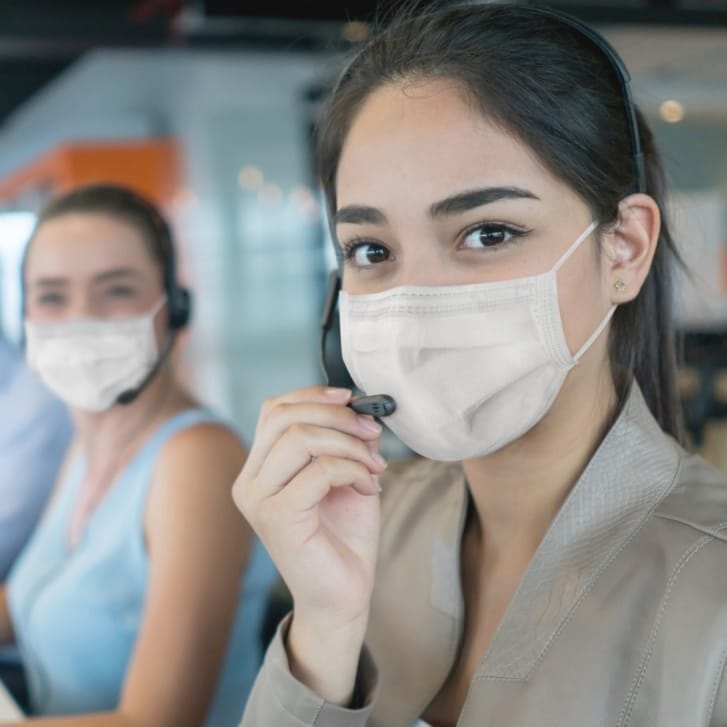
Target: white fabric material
[
  {"x": 471, "y": 367},
  {"x": 89, "y": 362},
  {"x": 9, "y": 711}
]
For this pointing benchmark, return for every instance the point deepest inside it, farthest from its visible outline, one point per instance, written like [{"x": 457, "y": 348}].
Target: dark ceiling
[{"x": 39, "y": 38}]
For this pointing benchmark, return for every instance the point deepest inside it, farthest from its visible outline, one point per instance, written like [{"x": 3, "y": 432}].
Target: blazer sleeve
[
  {"x": 718, "y": 706},
  {"x": 278, "y": 699}
]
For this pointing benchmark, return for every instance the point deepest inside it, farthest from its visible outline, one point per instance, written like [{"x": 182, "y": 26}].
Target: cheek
[
  {"x": 161, "y": 329},
  {"x": 34, "y": 314},
  {"x": 581, "y": 298}
]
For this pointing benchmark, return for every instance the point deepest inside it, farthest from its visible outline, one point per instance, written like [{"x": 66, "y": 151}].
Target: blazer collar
[{"x": 631, "y": 472}]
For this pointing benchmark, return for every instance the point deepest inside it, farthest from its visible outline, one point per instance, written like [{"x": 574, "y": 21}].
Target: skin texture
[
  {"x": 190, "y": 521},
  {"x": 411, "y": 146}
]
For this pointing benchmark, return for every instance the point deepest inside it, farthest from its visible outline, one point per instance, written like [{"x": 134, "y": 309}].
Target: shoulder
[
  {"x": 191, "y": 488},
  {"x": 196, "y": 465},
  {"x": 205, "y": 444},
  {"x": 698, "y": 500},
  {"x": 684, "y": 543}
]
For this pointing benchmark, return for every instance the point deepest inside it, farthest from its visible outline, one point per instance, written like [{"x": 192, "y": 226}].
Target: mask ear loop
[
  {"x": 599, "y": 329},
  {"x": 595, "y": 334},
  {"x": 566, "y": 255},
  {"x": 159, "y": 305}
]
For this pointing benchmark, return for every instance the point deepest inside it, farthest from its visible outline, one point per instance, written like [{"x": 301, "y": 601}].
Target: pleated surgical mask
[
  {"x": 471, "y": 367},
  {"x": 90, "y": 362}
]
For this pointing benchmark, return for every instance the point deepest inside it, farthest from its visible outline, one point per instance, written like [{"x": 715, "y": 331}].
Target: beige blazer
[{"x": 620, "y": 619}]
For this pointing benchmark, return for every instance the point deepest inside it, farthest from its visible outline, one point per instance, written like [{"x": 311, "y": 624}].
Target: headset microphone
[
  {"x": 179, "y": 314},
  {"x": 126, "y": 397},
  {"x": 378, "y": 405}
]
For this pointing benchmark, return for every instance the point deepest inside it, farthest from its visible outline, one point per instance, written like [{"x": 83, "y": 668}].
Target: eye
[
  {"x": 50, "y": 299},
  {"x": 490, "y": 235},
  {"x": 365, "y": 254},
  {"x": 120, "y": 291}
]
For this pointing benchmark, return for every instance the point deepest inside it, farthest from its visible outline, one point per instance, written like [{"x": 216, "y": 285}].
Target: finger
[
  {"x": 309, "y": 488},
  {"x": 303, "y": 442},
  {"x": 311, "y": 395},
  {"x": 284, "y": 415}
]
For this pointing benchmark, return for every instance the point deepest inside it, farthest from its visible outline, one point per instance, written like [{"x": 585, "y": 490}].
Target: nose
[
  {"x": 423, "y": 265},
  {"x": 80, "y": 305}
]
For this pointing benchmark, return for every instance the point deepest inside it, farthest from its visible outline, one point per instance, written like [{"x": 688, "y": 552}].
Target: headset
[
  {"x": 179, "y": 299},
  {"x": 624, "y": 80},
  {"x": 332, "y": 362}
]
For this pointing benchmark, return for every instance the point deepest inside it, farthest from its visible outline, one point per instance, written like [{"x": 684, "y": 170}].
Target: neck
[
  {"x": 103, "y": 436},
  {"x": 517, "y": 491}
]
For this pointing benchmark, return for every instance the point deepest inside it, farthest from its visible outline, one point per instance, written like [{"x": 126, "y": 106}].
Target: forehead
[
  {"x": 82, "y": 244},
  {"x": 427, "y": 137}
]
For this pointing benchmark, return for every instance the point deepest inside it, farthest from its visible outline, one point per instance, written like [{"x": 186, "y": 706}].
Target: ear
[{"x": 629, "y": 248}]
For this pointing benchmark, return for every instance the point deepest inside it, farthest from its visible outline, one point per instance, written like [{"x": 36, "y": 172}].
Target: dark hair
[
  {"x": 553, "y": 89},
  {"x": 125, "y": 205}
]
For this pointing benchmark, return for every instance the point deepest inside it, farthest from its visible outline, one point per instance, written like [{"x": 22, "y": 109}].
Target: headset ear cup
[
  {"x": 180, "y": 308},
  {"x": 331, "y": 354},
  {"x": 333, "y": 364}
]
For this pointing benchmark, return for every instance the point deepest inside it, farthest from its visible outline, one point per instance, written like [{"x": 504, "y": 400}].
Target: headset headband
[{"x": 624, "y": 78}]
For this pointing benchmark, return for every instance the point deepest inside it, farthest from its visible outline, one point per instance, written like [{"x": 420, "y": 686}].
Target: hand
[{"x": 310, "y": 489}]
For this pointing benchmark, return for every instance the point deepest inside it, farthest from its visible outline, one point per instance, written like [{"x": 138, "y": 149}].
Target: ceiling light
[
  {"x": 250, "y": 178},
  {"x": 355, "y": 31},
  {"x": 671, "y": 111}
]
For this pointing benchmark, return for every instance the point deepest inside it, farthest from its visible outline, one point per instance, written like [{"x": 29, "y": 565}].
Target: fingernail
[
  {"x": 375, "y": 479},
  {"x": 369, "y": 424},
  {"x": 379, "y": 460},
  {"x": 338, "y": 394}
]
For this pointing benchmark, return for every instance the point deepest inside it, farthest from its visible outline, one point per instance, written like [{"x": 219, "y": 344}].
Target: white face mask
[
  {"x": 90, "y": 362},
  {"x": 471, "y": 367}
]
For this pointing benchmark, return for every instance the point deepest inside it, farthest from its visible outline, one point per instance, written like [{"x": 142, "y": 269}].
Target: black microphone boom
[{"x": 126, "y": 397}]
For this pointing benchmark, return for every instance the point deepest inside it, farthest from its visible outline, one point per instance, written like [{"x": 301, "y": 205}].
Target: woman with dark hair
[
  {"x": 139, "y": 598},
  {"x": 555, "y": 558}
]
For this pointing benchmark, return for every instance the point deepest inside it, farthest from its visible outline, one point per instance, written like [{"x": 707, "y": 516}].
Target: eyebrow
[
  {"x": 115, "y": 274},
  {"x": 48, "y": 282},
  {"x": 105, "y": 276},
  {"x": 458, "y": 203},
  {"x": 359, "y": 215},
  {"x": 477, "y": 198}
]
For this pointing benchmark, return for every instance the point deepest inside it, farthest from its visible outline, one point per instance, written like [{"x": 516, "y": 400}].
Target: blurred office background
[{"x": 208, "y": 106}]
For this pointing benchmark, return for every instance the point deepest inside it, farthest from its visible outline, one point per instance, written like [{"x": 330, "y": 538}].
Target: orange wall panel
[{"x": 151, "y": 167}]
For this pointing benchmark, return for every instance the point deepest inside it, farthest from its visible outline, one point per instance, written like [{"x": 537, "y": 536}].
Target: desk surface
[{"x": 9, "y": 711}]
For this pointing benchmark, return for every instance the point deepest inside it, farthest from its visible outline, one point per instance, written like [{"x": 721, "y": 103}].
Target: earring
[{"x": 620, "y": 286}]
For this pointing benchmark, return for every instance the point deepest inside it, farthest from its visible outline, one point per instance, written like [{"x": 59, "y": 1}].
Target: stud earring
[{"x": 620, "y": 286}]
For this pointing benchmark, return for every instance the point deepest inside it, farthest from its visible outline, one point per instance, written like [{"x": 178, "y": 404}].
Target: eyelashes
[
  {"x": 374, "y": 252},
  {"x": 363, "y": 252},
  {"x": 491, "y": 235}
]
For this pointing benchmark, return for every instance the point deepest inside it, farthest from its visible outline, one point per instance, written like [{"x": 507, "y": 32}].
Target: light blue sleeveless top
[{"x": 76, "y": 613}]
